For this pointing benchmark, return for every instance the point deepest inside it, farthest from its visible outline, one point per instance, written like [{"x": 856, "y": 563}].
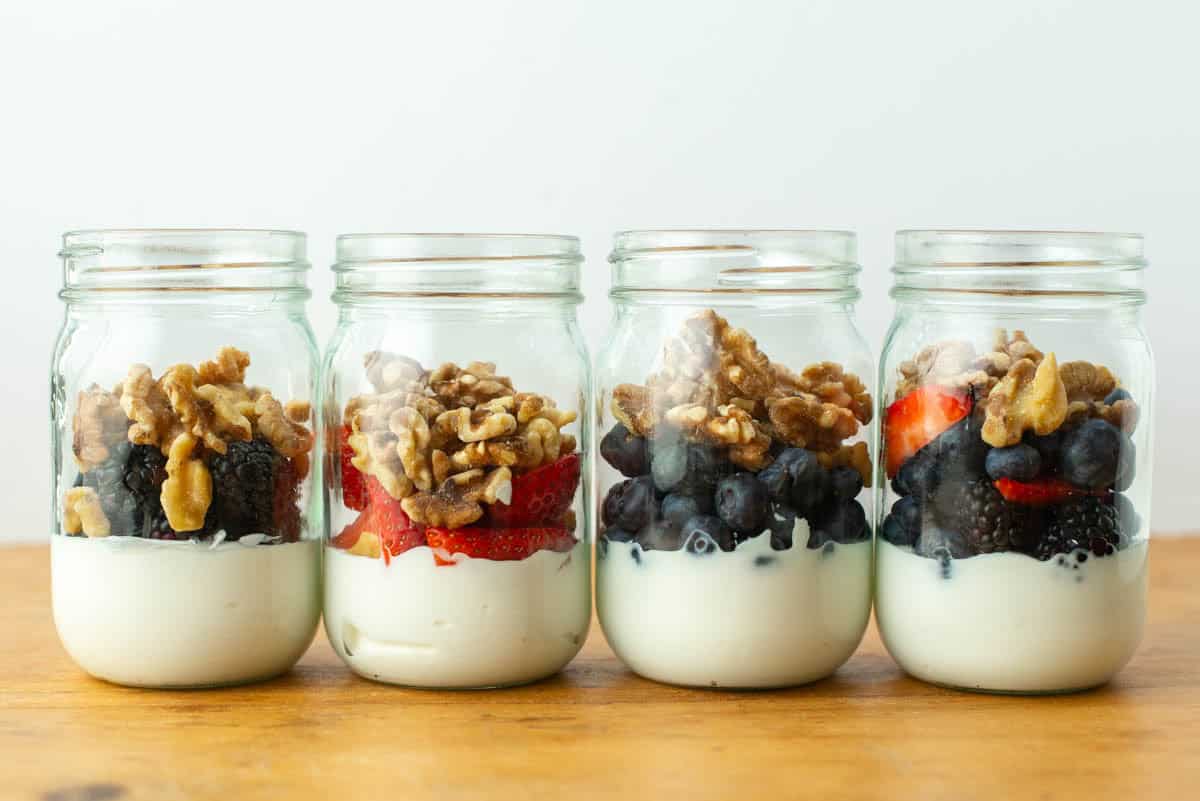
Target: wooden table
[{"x": 597, "y": 731}]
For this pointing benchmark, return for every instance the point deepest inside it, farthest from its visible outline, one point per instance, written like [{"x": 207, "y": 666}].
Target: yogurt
[
  {"x": 476, "y": 623},
  {"x": 154, "y": 613},
  {"x": 1006, "y": 622},
  {"x": 751, "y": 617}
]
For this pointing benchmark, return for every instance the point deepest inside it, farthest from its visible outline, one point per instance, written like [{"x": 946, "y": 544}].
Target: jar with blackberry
[
  {"x": 734, "y": 544},
  {"x": 455, "y": 402},
  {"x": 184, "y": 549},
  {"x": 1016, "y": 391}
]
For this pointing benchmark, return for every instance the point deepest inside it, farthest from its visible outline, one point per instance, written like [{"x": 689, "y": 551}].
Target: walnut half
[{"x": 1028, "y": 398}]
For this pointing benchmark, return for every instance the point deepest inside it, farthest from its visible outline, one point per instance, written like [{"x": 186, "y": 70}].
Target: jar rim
[
  {"x": 939, "y": 248},
  {"x": 420, "y": 247}
]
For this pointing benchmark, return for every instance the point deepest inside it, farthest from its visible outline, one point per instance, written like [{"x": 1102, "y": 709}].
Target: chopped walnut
[
  {"x": 286, "y": 436},
  {"x": 228, "y": 368},
  {"x": 954, "y": 364},
  {"x": 1085, "y": 381},
  {"x": 412, "y": 443},
  {"x": 99, "y": 424},
  {"x": 473, "y": 425},
  {"x": 475, "y": 384},
  {"x": 806, "y": 422},
  {"x": 633, "y": 407},
  {"x": 458, "y": 500},
  {"x": 298, "y": 411},
  {"x": 1029, "y": 397},
  {"x": 1123, "y": 414},
  {"x": 389, "y": 372},
  {"x": 375, "y": 454},
  {"x": 147, "y": 405},
  {"x": 187, "y": 492},
  {"x": 857, "y": 456},
  {"x": 83, "y": 514}
]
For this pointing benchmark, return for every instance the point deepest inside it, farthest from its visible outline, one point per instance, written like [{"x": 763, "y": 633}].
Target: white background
[{"x": 580, "y": 118}]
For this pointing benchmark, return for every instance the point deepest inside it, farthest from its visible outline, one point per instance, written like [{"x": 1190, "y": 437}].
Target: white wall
[{"x": 586, "y": 118}]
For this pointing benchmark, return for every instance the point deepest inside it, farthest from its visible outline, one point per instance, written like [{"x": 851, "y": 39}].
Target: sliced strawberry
[
  {"x": 501, "y": 545},
  {"x": 354, "y": 491},
  {"x": 385, "y": 519},
  {"x": 1042, "y": 492},
  {"x": 351, "y": 533},
  {"x": 540, "y": 497},
  {"x": 914, "y": 420}
]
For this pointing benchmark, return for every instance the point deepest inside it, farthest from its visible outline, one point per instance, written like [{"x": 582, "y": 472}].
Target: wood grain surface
[{"x": 596, "y": 730}]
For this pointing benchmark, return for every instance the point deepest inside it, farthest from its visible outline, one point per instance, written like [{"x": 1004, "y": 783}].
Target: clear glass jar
[
  {"x": 185, "y": 548},
  {"x": 454, "y": 399},
  {"x": 1017, "y": 388},
  {"x": 734, "y": 548}
]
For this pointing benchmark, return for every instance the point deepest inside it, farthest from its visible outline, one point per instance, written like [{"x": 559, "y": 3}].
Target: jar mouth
[
  {"x": 1020, "y": 263},
  {"x": 735, "y": 260},
  {"x": 457, "y": 264},
  {"x": 179, "y": 259}
]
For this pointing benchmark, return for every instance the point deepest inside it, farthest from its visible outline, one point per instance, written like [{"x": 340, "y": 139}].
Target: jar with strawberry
[
  {"x": 1017, "y": 386},
  {"x": 454, "y": 399},
  {"x": 734, "y": 544}
]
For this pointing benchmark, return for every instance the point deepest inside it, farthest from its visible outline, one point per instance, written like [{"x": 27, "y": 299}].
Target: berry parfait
[
  {"x": 1013, "y": 538},
  {"x": 734, "y": 548},
  {"x": 457, "y": 556},
  {"x": 182, "y": 555}
]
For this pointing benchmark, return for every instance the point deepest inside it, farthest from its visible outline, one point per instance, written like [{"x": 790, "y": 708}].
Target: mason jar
[
  {"x": 454, "y": 399},
  {"x": 734, "y": 410},
  {"x": 185, "y": 536},
  {"x": 1016, "y": 441}
]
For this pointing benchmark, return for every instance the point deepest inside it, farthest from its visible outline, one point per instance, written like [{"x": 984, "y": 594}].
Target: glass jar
[
  {"x": 185, "y": 547},
  {"x": 454, "y": 401},
  {"x": 1017, "y": 388},
  {"x": 734, "y": 548}
]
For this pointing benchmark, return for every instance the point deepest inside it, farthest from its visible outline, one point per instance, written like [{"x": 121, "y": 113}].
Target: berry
[
  {"x": 701, "y": 531},
  {"x": 1048, "y": 446},
  {"x": 631, "y": 504},
  {"x": 845, "y": 483},
  {"x": 782, "y": 524},
  {"x": 678, "y": 509},
  {"x": 385, "y": 518},
  {"x": 687, "y": 468},
  {"x": 125, "y": 514},
  {"x": 958, "y": 453},
  {"x": 1117, "y": 394},
  {"x": 243, "y": 488},
  {"x": 1086, "y": 524},
  {"x": 983, "y": 517},
  {"x": 617, "y": 534},
  {"x": 497, "y": 544},
  {"x": 1042, "y": 492},
  {"x": 286, "y": 499},
  {"x": 840, "y": 522},
  {"x": 742, "y": 502},
  {"x": 659, "y": 536},
  {"x": 797, "y": 479},
  {"x": 902, "y": 526},
  {"x": 1127, "y": 516},
  {"x": 1091, "y": 455},
  {"x": 668, "y": 460},
  {"x": 914, "y": 420},
  {"x": 1019, "y": 462},
  {"x": 917, "y": 476},
  {"x": 539, "y": 497},
  {"x": 625, "y": 451},
  {"x": 354, "y": 490},
  {"x": 936, "y": 542}
]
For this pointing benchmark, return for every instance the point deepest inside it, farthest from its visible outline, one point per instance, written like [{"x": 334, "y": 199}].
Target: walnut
[
  {"x": 1085, "y": 381},
  {"x": 298, "y": 411},
  {"x": 375, "y": 454},
  {"x": 187, "y": 492},
  {"x": 807, "y": 422},
  {"x": 83, "y": 513},
  {"x": 754, "y": 455},
  {"x": 458, "y": 500},
  {"x": 954, "y": 364},
  {"x": 830, "y": 383},
  {"x": 197, "y": 418},
  {"x": 412, "y": 443},
  {"x": 473, "y": 425},
  {"x": 389, "y": 372},
  {"x": 632, "y": 406},
  {"x": 727, "y": 425},
  {"x": 470, "y": 386},
  {"x": 146, "y": 404},
  {"x": 1029, "y": 397},
  {"x": 229, "y": 407},
  {"x": 99, "y": 424},
  {"x": 1016, "y": 348},
  {"x": 857, "y": 456},
  {"x": 228, "y": 368},
  {"x": 711, "y": 362},
  {"x": 286, "y": 436},
  {"x": 1123, "y": 414}
]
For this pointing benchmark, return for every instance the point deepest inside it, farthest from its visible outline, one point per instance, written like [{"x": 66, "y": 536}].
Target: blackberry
[
  {"x": 979, "y": 513},
  {"x": 244, "y": 487},
  {"x": 1086, "y": 524},
  {"x": 128, "y": 484}
]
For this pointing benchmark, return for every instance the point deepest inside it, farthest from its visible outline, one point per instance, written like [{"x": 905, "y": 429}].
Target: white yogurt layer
[
  {"x": 752, "y": 617},
  {"x": 1007, "y": 622},
  {"x": 477, "y": 623},
  {"x": 153, "y": 613}
]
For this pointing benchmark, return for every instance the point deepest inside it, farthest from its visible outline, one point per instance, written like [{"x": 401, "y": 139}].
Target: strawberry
[
  {"x": 540, "y": 497},
  {"x": 1042, "y": 492},
  {"x": 385, "y": 519},
  {"x": 354, "y": 492},
  {"x": 501, "y": 545},
  {"x": 917, "y": 418}
]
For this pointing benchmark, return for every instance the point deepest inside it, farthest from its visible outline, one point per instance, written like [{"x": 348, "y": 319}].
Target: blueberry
[
  {"x": 668, "y": 460},
  {"x": 1130, "y": 520},
  {"x": 781, "y": 522},
  {"x": 1117, "y": 394},
  {"x": 778, "y": 475},
  {"x": 960, "y": 450},
  {"x": 614, "y": 534},
  {"x": 839, "y": 522},
  {"x": 894, "y": 533},
  {"x": 1048, "y": 446},
  {"x": 918, "y": 475},
  {"x": 659, "y": 536},
  {"x": 1091, "y": 455},
  {"x": 1019, "y": 462},
  {"x": 796, "y": 478},
  {"x": 703, "y": 529},
  {"x": 742, "y": 502},
  {"x": 1126, "y": 465},
  {"x": 903, "y": 525},
  {"x": 625, "y": 451},
  {"x": 630, "y": 505},
  {"x": 845, "y": 483},
  {"x": 935, "y": 542},
  {"x": 678, "y": 509}
]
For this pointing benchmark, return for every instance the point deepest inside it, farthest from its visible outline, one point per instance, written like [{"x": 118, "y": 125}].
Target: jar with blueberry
[
  {"x": 185, "y": 548},
  {"x": 734, "y": 537},
  {"x": 1016, "y": 390},
  {"x": 455, "y": 401}
]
